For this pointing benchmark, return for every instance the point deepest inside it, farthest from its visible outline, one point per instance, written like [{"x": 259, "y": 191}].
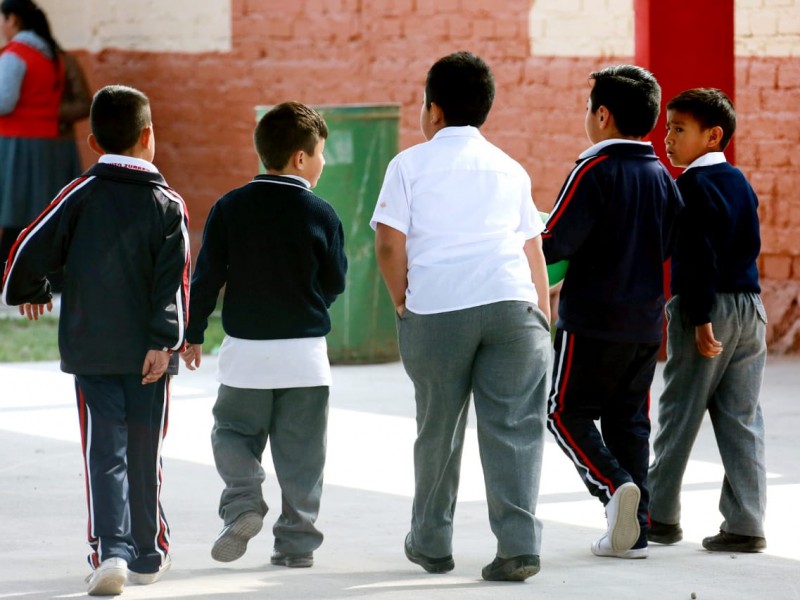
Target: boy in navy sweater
[
  {"x": 279, "y": 251},
  {"x": 716, "y": 348},
  {"x": 614, "y": 221}
]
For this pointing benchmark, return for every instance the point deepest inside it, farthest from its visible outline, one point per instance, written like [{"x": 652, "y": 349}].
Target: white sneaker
[
  {"x": 602, "y": 547},
  {"x": 109, "y": 578},
  {"x": 623, "y": 524},
  {"x": 148, "y": 578}
]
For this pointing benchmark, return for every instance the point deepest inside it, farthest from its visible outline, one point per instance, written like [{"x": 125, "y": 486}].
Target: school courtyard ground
[{"x": 366, "y": 506}]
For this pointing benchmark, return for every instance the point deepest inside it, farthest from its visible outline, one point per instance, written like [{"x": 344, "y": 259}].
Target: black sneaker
[
  {"x": 293, "y": 561},
  {"x": 517, "y": 568},
  {"x": 664, "y": 533},
  {"x": 733, "y": 542},
  {"x": 431, "y": 565}
]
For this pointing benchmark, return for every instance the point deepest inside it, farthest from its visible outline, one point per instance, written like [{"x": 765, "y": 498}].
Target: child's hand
[
  {"x": 34, "y": 311},
  {"x": 192, "y": 356},
  {"x": 707, "y": 344},
  {"x": 155, "y": 365}
]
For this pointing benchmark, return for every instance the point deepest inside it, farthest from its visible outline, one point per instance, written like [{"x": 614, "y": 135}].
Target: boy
[
  {"x": 716, "y": 348},
  {"x": 614, "y": 221},
  {"x": 279, "y": 251},
  {"x": 458, "y": 243},
  {"x": 121, "y": 235}
]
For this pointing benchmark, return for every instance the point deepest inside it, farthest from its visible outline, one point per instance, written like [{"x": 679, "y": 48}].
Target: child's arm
[
  {"x": 536, "y": 262},
  {"x": 169, "y": 296},
  {"x": 575, "y": 211},
  {"x": 334, "y": 267},
  {"x": 390, "y": 250},
  {"x": 39, "y": 250},
  {"x": 209, "y": 277}
]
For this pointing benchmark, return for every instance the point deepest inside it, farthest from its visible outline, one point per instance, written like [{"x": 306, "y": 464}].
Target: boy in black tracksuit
[
  {"x": 614, "y": 221},
  {"x": 279, "y": 251},
  {"x": 121, "y": 235}
]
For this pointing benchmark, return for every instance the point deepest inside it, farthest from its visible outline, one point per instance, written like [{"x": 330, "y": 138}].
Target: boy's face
[
  {"x": 428, "y": 131},
  {"x": 314, "y": 164},
  {"x": 687, "y": 140}
]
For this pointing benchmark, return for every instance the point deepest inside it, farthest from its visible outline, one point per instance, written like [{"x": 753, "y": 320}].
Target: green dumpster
[{"x": 362, "y": 139}]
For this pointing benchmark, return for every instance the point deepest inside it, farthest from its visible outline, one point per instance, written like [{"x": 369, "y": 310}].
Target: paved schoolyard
[{"x": 366, "y": 505}]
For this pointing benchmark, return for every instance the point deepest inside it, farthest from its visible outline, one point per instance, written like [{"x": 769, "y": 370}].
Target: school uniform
[
  {"x": 471, "y": 326},
  {"x": 279, "y": 250},
  {"x": 121, "y": 235},
  {"x": 614, "y": 220},
  {"x": 715, "y": 280}
]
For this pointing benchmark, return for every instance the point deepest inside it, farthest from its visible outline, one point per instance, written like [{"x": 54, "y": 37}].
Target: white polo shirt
[{"x": 466, "y": 210}]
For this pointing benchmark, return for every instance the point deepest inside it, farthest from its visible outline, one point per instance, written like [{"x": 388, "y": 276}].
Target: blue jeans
[
  {"x": 728, "y": 387},
  {"x": 499, "y": 353}
]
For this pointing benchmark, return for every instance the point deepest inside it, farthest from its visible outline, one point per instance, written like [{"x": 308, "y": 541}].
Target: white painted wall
[
  {"x": 606, "y": 27},
  {"x": 187, "y": 26}
]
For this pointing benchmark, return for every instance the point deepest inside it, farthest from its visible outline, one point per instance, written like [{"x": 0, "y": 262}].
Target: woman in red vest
[{"x": 31, "y": 83}]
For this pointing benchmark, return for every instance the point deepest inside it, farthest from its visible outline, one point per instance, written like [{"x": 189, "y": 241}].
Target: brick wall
[{"x": 251, "y": 52}]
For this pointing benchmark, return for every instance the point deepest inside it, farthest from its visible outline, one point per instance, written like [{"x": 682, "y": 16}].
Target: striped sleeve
[
  {"x": 171, "y": 279},
  {"x": 573, "y": 214},
  {"x": 39, "y": 250}
]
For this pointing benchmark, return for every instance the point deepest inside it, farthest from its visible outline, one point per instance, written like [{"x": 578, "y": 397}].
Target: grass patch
[{"x": 28, "y": 341}]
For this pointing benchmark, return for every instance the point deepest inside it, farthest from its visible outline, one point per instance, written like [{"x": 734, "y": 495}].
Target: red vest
[{"x": 36, "y": 112}]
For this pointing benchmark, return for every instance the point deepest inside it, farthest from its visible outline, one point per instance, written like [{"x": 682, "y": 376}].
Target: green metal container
[{"x": 362, "y": 139}]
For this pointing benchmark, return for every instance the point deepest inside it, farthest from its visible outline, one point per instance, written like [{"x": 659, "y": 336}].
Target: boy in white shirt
[{"x": 458, "y": 243}]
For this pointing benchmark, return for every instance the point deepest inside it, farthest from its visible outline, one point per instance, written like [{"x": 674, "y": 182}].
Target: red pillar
[{"x": 685, "y": 44}]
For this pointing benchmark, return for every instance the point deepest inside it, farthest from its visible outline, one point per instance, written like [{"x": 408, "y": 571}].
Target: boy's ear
[
  {"x": 298, "y": 160},
  {"x": 146, "y": 136},
  {"x": 604, "y": 117},
  {"x": 92, "y": 141},
  {"x": 714, "y": 136},
  {"x": 436, "y": 114}
]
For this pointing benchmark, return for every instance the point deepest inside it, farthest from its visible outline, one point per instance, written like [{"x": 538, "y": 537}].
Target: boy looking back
[
  {"x": 614, "y": 221},
  {"x": 121, "y": 235},
  {"x": 279, "y": 251},
  {"x": 716, "y": 348}
]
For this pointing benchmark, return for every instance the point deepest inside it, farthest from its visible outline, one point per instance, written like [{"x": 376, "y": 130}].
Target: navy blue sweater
[
  {"x": 614, "y": 220},
  {"x": 718, "y": 239},
  {"x": 279, "y": 251}
]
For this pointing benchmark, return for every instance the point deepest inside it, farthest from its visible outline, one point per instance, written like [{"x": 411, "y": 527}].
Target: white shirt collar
[
  {"x": 129, "y": 162},
  {"x": 305, "y": 182},
  {"x": 708, "y": 159},
  {"x": 453, "y": 131},
  {"x": 600, "y": 145}
]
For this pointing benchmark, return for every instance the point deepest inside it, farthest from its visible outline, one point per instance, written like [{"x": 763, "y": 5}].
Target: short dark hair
[
  {"x": 285, "y": 129},
  {"x": 710, "y": 107},
  {"x": 462, "y": 85},
  {"x": 631, "y": 94},
  {"x": 118, "y": 116}
]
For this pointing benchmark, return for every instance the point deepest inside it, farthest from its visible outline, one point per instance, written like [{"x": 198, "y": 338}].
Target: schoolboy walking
[
  {"x": 458, "y": 243},
  {"x": 614, "y": 220},
  {"x": 716, "y": 344},
  {"x": 121, "y": 235},
  {"x": 279, "y": 251}
]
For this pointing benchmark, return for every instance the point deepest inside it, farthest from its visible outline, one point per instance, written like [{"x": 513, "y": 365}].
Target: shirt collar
[
  {"x": 595, "y": 149},
  {"x": 298, "y": 178},
  {"x": 129, "y": 162},
  {"x": 708, "y": 159},
  {"x": 460, "y": 131}
]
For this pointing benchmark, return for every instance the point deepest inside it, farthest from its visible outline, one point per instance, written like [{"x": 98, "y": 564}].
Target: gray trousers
[
  {"x": 728, "y": 387},
  {"x": 295, "y": 422},
  {"x": 499, "y": 353}
]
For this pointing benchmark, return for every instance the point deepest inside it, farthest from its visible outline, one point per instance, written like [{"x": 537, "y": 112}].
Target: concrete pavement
[{"x": 366, "y": 506}]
